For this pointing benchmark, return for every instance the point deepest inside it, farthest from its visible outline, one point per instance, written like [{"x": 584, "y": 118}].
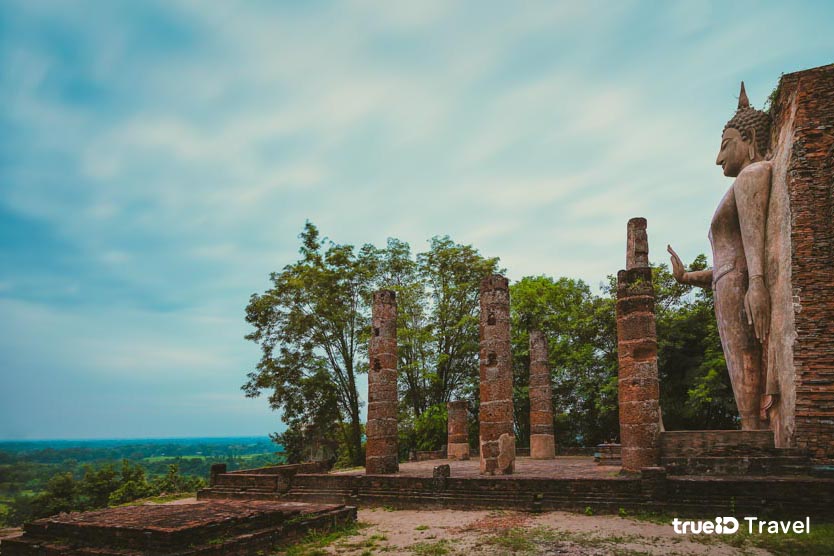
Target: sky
[{"x": 158, "y": 160}]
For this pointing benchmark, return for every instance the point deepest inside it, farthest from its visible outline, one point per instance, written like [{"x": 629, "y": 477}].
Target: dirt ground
[
  {"x": 496, "y": 533},
  {"x": 455, "y": 532}
]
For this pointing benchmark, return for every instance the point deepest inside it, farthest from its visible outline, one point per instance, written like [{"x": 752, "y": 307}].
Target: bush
[{"x": 430, "y": 428}]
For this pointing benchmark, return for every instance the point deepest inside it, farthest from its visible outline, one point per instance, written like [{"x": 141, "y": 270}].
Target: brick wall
[{"x": 807, "y": 99}]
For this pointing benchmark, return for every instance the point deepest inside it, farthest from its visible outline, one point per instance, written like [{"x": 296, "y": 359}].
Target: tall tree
[
  {"x": 399, "y": 271},
  {"x": 311, "y": 325},
  {"x": 452, "y": 274},
  {"x": 437, "y": 331},
  {"x": 579, "y": 327}
]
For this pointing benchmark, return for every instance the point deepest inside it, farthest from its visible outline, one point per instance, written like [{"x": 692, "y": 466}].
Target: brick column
[
  {"x": 542, "y": 442},
  {"x": 801, "y": 339},
  {"x": 639, "y": 387},
  {"x": 497, "y": 439},
  {"x": 381, "y": 448},
  {"x": 458, "y": 443}
]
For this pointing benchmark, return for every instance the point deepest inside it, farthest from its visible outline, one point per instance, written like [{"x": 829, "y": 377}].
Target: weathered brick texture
[
  {"x": 458, "y": 441},
  {"x": 381, "y": 454},
  {"x": 207, "y": 528},
  {"x": 807, "y": 98},
  {"x": 542, "y": 442},
  {"x": 497, "y": 439},
  {"x": 637, "y": 355}
]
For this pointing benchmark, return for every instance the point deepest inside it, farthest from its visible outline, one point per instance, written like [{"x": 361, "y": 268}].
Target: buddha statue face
[
  {"x": 736, "y": 152},
  {"x": 745, "y": 137}
]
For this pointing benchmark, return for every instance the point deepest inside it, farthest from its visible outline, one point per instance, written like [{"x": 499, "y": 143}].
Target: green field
[{"x": 244, "y": 457}]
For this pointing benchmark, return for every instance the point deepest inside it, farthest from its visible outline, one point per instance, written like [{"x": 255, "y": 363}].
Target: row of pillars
[
  {"x": 497, "y": 439},
  {"x": 638, "y": 382}
]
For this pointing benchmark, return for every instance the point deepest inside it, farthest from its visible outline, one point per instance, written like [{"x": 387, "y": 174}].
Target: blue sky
[{"x": 159, "y": 159}]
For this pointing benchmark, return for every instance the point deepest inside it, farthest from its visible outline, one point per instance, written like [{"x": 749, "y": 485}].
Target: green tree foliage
[
  {"x": 132, "y": 485},
  {"x": 452, "y": 275},
  {"x": 437, "y": 332},
  {"x": 292, "y": 440},
  {"x": 62, "y": 494},
  {"x": 430, "y": 428},
  {"x": 174, "y": 482},
  {"x": 99, "y": 487},
  {"x": 310, "y": 326},
  {"x": 27, "y": 467},
  {"x": 696, "y": 392},
  {"x": 401, "y": 273},
  {"x": 99, "y": 484},
  {"x": 581, "y": 334}
]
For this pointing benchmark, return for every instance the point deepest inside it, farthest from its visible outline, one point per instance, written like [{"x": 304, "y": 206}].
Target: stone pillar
[
  {"x": 216, "y": 470},
  {"x": 497, "y": 439},
  {"x": 458, "y": 443},
  {"x": 381, "y": 449},
  {"x": 639, "y": 388},
  {"x": 542, "y": 442}
]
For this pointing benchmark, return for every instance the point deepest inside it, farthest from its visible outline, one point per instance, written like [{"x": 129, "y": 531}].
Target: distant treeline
[
  {"x": 43, "y": 478},
  {"x": 56, "y": 451}
]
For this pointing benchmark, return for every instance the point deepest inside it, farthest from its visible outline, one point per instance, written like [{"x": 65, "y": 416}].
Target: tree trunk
[{"x": 356, "y": 437}]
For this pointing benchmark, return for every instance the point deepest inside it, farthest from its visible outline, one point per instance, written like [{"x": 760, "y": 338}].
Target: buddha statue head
[{"x": 745, "y": 139}]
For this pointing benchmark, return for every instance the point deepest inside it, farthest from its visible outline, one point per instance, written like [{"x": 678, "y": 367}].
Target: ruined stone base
[
  {"x": 542, "y": 446},
  {"x": 206, "y": 528},
  {"x": 381, "y": 465},
  {"x": 574, "y": 484},
  {"x": 458, "y": 451},
  {"x": 498, "y": 456},
  {"x": 730, "y": 452},
  {"x": 635, "y": 458}
]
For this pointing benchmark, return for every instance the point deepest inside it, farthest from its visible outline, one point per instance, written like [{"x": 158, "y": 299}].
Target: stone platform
[
  {"x": 204, "y": 528},
  {"x": 564, "y": 483},
  {"x": 730, "y": 452},
  {"x": 566, "y": 467}
]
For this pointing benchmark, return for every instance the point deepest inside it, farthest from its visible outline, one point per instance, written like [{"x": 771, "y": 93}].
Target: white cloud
[{"x": 533, "y": 132}]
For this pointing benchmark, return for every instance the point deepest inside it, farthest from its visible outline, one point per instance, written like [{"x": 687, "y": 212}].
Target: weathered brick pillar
[
  {"x": 801, "y": 339},
  {"x": 497, "y": 440},
  {"x": 639, "y": 387},
  {"x": 458, "y": 443},
  {"x": 381, "y": 448},
  {"x": 542, "y": 442}
]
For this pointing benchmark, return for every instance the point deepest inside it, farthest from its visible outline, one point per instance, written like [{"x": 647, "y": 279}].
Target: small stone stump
[
  {"x": 639, "y": 387},
  {"x": 441, "y": 471},
  {"x": 458, "y": 442},
  {"x": 542, "y": 441},
  {"x": 497, "y": 440},
  {"x": 216, "y": 469},
  {"x": 381, "y": 456}
]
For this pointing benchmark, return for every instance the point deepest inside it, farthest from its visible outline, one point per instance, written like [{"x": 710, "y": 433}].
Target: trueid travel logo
[{"x": 730, "y": 526}]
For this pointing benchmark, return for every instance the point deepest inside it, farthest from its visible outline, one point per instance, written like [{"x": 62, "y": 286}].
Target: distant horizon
[{"x": 129, "y": 438}]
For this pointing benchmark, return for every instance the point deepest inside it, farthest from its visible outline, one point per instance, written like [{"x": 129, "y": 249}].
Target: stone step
[
  {"x": 236, "y": 495},
  {"x": 676, "y": 443},
  {"x": 740, "y": 451},
  {"x": 824, "y": 471},
  {"x": 736, "y": 465},
  {"x": 400, "y": 498}
]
